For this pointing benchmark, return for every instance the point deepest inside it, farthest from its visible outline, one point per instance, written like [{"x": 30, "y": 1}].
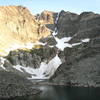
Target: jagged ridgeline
[
  {"x": 62, "y": 46},
  {"x": 18, "y": 26}
]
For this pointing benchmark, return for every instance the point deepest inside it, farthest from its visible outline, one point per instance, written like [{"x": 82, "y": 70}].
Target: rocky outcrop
[
  {"x": 79, "y": 61},
  {"x": 13, "y": 85},
  {"x": 32, "y": 58},
  {"x": 50, "y": 40},
  {"x": 81, "y": 66},
  {"x": 85, "y": 25},
  {"x": 19, "y": 26},
  {"x": 47, "y": 18},
  {"x": 26, "y": 62}
]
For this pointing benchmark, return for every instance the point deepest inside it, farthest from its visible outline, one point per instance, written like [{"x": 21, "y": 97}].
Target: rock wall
[
  {"x": 18, "y": 25},
  {"x": 80, "y": 55},
  {"x": 47, "y": 18},
  {"x": 85, "y": 25},
  {"x": 81, "y": 66}
]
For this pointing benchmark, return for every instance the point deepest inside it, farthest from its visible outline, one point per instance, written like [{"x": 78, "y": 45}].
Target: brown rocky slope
[{"x": 18, "y": 26}]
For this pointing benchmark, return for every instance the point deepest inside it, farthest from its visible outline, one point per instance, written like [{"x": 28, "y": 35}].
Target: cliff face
[
  {"x": 18, "y": 25},
  {"x": 47, "y": 18},
  {"x": 73, "y": 46},
  {"x": 81, "y": 66},
  {"x": 84, "y": 25}
]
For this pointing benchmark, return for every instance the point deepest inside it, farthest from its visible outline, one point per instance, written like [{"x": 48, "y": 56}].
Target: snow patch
[
  {"x": 18, "y": 67},
  {"x": 55, "y": 33},
  {"x": 62, "y": 43},
  {"x": 82, "y": 41},
  {"x": 85, "y": 40},
  {"x": 51, "y": 46},
  {"x": 2, "y": 60},
  {"x": 45, "y": 71},
  {"x": 75, "y": 44},
  {"x": 55, "y": 30},
  {"x": 57, "y": 18}
]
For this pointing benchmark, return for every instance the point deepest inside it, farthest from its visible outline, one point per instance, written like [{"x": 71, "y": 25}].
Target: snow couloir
[{"x": 45, "y": 71}]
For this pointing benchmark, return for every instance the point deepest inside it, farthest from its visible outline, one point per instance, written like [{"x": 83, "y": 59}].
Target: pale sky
[{"x": 37, "y": 6}]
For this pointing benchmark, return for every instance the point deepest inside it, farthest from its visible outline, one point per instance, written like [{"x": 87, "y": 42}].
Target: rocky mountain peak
[
  {"x": 18, "y": 26},
  {"x": 88, "y": 16},
  {"x": 71, "y": 54},
  {"x": 46, "y": 17}
]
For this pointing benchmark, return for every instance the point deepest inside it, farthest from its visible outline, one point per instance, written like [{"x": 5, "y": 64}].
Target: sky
[{"x": 37, "y": 6}]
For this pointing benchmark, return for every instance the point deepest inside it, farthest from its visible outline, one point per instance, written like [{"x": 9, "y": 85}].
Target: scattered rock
[{"x": 13, "y": 85}]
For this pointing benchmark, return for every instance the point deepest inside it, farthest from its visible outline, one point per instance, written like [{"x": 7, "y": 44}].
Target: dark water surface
[{"x": 64, "y": 93}]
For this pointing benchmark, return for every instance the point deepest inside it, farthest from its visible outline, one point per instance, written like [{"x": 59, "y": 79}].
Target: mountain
[
  {"x": 81, "y": 65},
  {"x": 46, "y": 17},
  {"x": 18, "y": 26},
  {"x": 66, "y": 53}
]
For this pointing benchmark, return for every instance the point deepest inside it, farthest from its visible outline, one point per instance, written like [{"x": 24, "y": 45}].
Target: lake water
[{"x": 64, "y": 93}]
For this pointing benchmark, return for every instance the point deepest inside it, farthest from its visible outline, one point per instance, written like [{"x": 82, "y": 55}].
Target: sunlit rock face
[
  {"x": 18, "y": 26},
  {"x": 69, "y": 56},
  {"x": 47, "y": 18}
]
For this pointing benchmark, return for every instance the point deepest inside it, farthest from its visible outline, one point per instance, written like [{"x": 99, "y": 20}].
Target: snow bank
[
  {"x": 2, "y": 63},
  {"x": 45, "y": 71}
]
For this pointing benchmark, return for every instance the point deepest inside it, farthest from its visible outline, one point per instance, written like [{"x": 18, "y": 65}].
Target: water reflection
[{"x": 64, "y": 93}]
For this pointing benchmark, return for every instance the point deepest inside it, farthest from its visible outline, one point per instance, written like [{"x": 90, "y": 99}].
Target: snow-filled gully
[{"x": 45, "y": 71}]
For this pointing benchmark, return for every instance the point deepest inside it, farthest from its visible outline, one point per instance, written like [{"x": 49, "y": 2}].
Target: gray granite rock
[
  {"x": 13, "y": 85},
  {"x": 81, "y": 67},
  {"x": 85, "y": 25}
]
